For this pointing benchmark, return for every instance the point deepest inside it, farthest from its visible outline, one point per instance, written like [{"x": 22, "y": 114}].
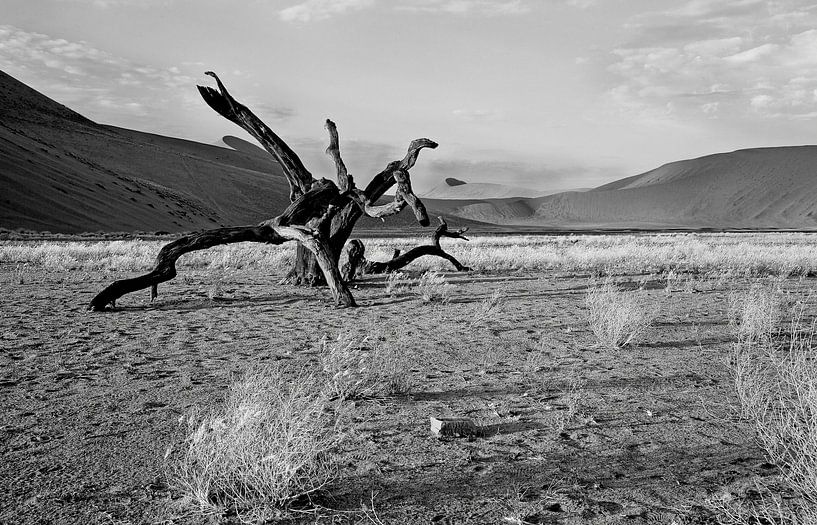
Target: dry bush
[
  {"x": 397, "y": 283},
  {"x": 432, "y": 287},
  {"x": 616, "y": 317},
  {"x": 361, "y": 366},
  {"x": 765, "y": 507},
  {"x": 487, "y": 309},
  {"x": 776, "y": 383},
  {"x": 756, "y": 313},
  {"x": 271, "y": 441}
]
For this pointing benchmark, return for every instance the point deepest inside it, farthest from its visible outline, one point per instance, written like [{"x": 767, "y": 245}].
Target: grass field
[{"x": 574, "y": 425}]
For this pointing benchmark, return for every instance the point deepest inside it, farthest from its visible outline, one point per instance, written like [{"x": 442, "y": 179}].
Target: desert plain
[{"x": 570, "y": 430}]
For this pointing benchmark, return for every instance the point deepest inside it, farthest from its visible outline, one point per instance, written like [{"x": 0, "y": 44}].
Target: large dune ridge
[
  {"x": 753, "y": 188},
  {"x": 63, "y": 173}
]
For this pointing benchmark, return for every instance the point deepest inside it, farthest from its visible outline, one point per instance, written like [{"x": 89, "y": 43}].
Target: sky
[{"x": 546, "y": 94}]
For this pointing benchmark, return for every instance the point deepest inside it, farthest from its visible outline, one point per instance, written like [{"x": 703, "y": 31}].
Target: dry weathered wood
[
  {"x": 299, "y": 178},
  {"x": 357, "y": 263},
  {"x": 342, "y": 224},
  {"x": 320, "y": 216},
  {"x": 165, "y": 267},
  {"x": 345, "y": 181},
  {"x": 354, "y": 260}
]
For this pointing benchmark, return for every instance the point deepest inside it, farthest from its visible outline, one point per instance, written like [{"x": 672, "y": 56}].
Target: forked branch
[
  {"x": 320, "y": 215},
  {"x": 356, "y": 262}
]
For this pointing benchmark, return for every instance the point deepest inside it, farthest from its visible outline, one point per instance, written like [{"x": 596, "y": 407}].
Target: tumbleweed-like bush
[
  {"x": 431, "y": 286},
  {"x": 270, "y": 442},
  {"x": 616, "y": 317},
  {"x": 756, "y": 313},
  {"x": 776, "y": 383},
  {"x": 363, "y": 365}
]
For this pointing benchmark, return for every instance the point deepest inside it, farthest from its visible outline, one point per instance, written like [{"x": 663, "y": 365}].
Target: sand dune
[
  {"x": 753, "y": 188},
  {"x": 64, "y": 173},
  {"x": 61, "y": 172},
  {"x": 456, "y": 189}
]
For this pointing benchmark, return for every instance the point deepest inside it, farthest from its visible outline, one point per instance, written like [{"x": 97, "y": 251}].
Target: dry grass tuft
[
  {"x": 397, "y": 283},
  {"x": 756, "y": 313},
  {"x": 269, "y": 443},
  {"x": 487, "y": 309},
  {"x": 776, "y": 383},
  {"x": 362, "y": 366},
  {"x": 432, "y": 287},
  {"x": 618, "y": 318}
]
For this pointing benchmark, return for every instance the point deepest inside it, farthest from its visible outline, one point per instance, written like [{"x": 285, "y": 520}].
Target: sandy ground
[{"x": 576, "y": 433}]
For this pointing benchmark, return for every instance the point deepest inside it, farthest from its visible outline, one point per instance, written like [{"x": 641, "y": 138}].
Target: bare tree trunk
[
  {"x": 320, "y": 217},
  {"x": 305, "y": 270}
]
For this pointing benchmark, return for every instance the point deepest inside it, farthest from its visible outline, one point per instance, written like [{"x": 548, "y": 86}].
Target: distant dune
[
  {"x": 456, "y": 189},
  {"x": 63, "y": 173},
  {"x": 753, "y": 188}
]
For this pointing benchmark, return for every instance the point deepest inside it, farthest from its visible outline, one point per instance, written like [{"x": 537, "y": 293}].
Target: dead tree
[
  {"x": 320, "y": 216},
  {"x": 356, "y": 263}
]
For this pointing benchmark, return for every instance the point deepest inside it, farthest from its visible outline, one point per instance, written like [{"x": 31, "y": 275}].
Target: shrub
[
  {"x": 269, "y": 443},
  {"x": 486, "y": 310},
  {"x": 360, "y": 366},
  {"x": 776, "y": 384},
  {"x": 397, "y": 283},
  {"x": 618, "y": 318},
  {"x": 756, "y": 313},
  {"x": 432, "y": 286}
]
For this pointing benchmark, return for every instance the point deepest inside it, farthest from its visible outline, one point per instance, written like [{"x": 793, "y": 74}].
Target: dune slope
[
  {"x": 753, "y": 188},
  {"x": 65, "y": 173}
]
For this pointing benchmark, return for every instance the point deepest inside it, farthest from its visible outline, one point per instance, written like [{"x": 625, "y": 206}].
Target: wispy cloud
[
  {"x": 476, "y": 7},
  {"x": 313, "y": 10},
  {"x": 321, "y": 9},
  {"x": 479, "y": 115},
  {"x": 103, "y": 86},
  {"x": 736, "y": 58},
  {"x": 105, "y": 4}
]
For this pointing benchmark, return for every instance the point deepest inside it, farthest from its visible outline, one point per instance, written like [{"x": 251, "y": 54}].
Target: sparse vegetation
[
  {"x": 432, "y": 287},
  {"x": 514, "y": 352},
  {"x": 360, "y": 366},
  {"x": 711, "y": 255},
  {"x": 487, "y": 309},
  {"x": 756, "y": 313},
  {"x": 270, "y": 442},
  {"x": 776, "y": 383},
  {"x": 617, "y": 317},
  {"x": 397, "y": 283}
]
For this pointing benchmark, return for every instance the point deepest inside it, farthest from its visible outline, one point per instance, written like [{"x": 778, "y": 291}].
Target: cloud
[
  {"x": 462, "y": 7},
  {"x": 321, "y": 9},
  {"x": 479, "y": 115},
  {"x": 105, "y": 4},
  {"x": 705, "y": 58},
  {"x": 99, "y": 84},
  {"x": 582, "y": 4},
  {"x": 312, "y": 10}
]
